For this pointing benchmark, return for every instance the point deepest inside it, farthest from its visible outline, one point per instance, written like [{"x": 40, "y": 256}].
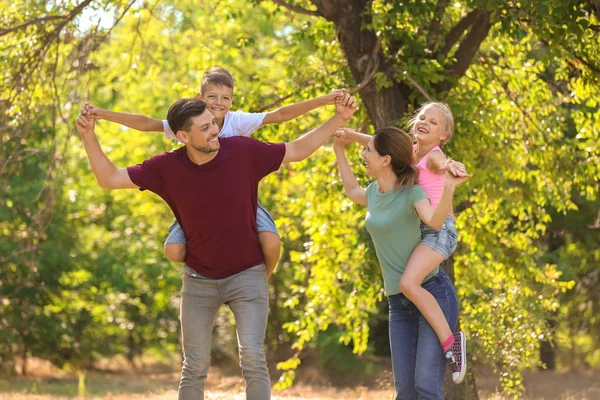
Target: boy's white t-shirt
[{"x": 236, "y": 123}]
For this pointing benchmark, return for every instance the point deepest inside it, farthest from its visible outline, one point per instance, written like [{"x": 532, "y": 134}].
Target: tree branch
[
  {"x": 298, "y": 9},
  {"x": 32, "y": 22},
  {"x": 409, "y": 78},
  {"x": 434, "y": 27},
  {"x": 457, "y": 31},
  {"x": 471, "y": 43}
]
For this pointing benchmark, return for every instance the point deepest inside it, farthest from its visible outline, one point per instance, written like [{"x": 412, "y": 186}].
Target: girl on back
[
  {"x": 432, "y": 126},
  {"x": 396, "y": 206}
]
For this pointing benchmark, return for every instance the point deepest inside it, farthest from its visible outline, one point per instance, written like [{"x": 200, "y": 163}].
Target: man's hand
[
  {"x": 345, "y": 106},
  {"x": 85, "y": 126},
  {"x": 333, "y": 96}
]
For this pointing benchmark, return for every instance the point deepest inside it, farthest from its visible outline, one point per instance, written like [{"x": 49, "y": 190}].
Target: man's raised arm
[
  {"x": 108, "y": 176},
  {"x": 308, "y": 143}
]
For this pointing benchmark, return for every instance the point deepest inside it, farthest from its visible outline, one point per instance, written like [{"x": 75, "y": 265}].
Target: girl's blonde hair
[{"x": 444, "y": 108}]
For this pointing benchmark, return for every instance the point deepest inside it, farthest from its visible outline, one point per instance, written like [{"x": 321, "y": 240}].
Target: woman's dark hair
[
  {"x": 181, "y": 112},
  {"x": 397, "y": 144}
]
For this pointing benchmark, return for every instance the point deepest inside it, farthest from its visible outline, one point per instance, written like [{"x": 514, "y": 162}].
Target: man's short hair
[
  {"x": 216, "y": 76},
  {"x": 181, "y": 112}
]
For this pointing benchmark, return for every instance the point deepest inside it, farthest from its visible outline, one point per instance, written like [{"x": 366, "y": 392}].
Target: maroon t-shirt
[{"x": 215, "y": 203}]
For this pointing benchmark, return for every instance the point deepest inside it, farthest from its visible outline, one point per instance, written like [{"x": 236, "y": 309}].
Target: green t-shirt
[{"x": 395, "y": 229}]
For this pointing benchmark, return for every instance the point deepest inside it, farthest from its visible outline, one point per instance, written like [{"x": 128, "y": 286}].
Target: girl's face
[
  {"x": 430, "y": 127},
  {"x": 374, "y": 162}
]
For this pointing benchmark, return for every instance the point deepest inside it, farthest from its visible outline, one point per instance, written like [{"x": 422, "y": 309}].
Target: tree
[{"x": 522, "y": 80}]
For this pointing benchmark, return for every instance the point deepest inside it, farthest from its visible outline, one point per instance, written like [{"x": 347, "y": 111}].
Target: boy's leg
[
  {"x": 270, "y": 245},
  {"x": 247, "y": 294},
  {"x": 174, "y": 247},
  {"x": 431, "y": 364},
  {"x": 403, "y": 330},
  {"x": 422, "y": 262},
  {"x": 268, "y": 237},
  {"x": 200, "y": 301}
]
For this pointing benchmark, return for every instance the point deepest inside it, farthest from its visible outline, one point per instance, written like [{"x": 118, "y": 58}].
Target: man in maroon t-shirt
[{"x": 211, "y": 184}]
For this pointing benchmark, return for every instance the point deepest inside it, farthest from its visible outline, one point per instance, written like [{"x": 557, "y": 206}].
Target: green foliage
[{"x": 82, "y": 272}]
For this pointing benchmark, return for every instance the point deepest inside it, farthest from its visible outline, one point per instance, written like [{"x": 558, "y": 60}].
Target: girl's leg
[
  {"x": 422, "y": 262},
  {"x": 270, "y": 245},
  {"x": 174, "y": 247}
]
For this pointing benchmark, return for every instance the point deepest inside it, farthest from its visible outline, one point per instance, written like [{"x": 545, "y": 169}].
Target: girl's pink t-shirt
[{"x": 432, "y": 183}]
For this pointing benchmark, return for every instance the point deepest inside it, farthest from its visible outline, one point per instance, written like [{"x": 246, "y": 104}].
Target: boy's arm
[
  {"x": 308, "y": 143},
  {"x": 292, "y": 111},
  {"x": 108, "y": 176},
  {"x": 135, "y": 121}
]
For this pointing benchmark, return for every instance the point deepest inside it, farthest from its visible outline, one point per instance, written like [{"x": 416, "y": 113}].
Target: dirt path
[{"x": 223, "y": 384}]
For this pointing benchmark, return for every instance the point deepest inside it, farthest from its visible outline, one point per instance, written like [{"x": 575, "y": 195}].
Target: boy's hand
[
  {"x": 85, "y": 126},
  {"x": 345, "y": 106},
  {"x": 91, "y": 111},
  {"x": 333, "y": 96}
]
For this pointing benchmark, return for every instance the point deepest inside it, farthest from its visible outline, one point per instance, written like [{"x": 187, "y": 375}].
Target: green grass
[{"x": 95, "y": 385}]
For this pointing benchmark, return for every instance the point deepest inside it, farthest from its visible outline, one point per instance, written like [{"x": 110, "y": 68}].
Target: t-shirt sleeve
[
  {"x": 245, "y": 124},
  {"x": 265, "y": 157},
  {"x": 148, "y": 175},
  {"x": 167, "y": 131},
  {"x": 417, "y": 193}
]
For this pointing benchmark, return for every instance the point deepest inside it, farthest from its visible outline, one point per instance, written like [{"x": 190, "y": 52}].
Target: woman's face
[
  {"x": 430, "y": 127},
  {"x": 374, "y": 162}
]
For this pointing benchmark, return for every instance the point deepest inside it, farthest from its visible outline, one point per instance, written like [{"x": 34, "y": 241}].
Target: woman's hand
[{"x": 342, "y": 138}]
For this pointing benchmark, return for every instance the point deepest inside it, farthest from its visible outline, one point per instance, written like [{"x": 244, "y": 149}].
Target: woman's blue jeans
[{"x": 417, "y": 358}]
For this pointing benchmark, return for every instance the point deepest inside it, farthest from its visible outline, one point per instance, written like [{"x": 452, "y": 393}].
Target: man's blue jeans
[{"x": 417, "y": 358}]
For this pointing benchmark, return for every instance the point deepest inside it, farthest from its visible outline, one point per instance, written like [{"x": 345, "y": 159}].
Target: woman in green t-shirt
[{"x": 396, "y": 205}]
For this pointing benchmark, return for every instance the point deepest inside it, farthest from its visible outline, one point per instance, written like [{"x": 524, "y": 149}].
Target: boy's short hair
[
  {"x": 181, "y": 112},
  {"x": 216, "y": 76}
]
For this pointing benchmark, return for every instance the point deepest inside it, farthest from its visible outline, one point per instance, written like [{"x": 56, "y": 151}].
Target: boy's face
[{"x": 218, "y": 99}]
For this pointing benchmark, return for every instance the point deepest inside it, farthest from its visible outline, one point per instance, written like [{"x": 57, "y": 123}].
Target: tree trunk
[
  {"x": 24, "y": 357},
  {"x": 547, "y": 347},
  {"x": 467, "y": 390},
  {"x": 362, "y": 54}
]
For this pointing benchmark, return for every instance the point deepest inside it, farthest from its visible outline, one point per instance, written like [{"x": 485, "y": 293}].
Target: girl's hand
[
  {"x": 456, "y": 168},
  {"x": 454, "y": 181},
  {"x": 342, "y": 138}
]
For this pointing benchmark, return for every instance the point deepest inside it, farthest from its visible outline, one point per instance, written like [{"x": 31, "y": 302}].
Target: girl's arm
[
  {"x": 355, "y": 136},
  {"x": 435, "y": 217},
  {"x": 353, "y": 190},
  {"x": 439, "y": 164},
  {"x": 135, "y": 121}
]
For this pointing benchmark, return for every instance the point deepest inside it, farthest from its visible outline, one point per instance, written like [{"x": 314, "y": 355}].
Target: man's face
[
  {"x": 218, "y": 99},
  {"x": 203, "y": 134}
]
